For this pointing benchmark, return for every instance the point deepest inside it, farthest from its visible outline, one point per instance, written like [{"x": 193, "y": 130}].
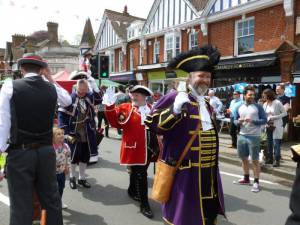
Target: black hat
[
  {"x": 198, "y": 59},
  {"x": 141, "y": 89},
  {"x": 31, "y": 58}
]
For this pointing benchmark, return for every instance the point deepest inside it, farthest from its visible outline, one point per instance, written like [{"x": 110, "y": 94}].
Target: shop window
[
  {"x": 193, "y": 40},
  {"x": 244, "y": 43},
  {"x": 156, "y": 50}
]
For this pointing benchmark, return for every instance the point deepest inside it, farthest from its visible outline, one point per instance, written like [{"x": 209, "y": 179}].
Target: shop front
[{"x": 257, "y": 69}]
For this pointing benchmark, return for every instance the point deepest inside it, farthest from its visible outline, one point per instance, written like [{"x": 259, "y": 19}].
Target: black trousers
[
  {"x": 139, "y": 183},
  {"x": 26, "y": 169},
  {"x": 101, "y": 116},
  {"x": 233, "y": 133}
]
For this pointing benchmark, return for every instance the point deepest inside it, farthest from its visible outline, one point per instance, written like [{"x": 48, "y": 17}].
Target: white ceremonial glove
[
  {"x": 93, "y": 84},
  {"x": 111, "y": 99},
  {"x": 181, "y": 98}
]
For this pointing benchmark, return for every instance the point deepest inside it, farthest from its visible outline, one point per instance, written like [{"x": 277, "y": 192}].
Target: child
[{"x": 63, "y": 161}]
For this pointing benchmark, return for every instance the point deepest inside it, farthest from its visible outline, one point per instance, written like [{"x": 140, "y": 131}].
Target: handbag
[
  {"x": 270, "y": 126},
  {"x": 165, "y": 173}
]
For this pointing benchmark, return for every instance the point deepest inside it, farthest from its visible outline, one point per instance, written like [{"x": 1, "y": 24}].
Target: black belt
[{"x": 27, "y": 146}]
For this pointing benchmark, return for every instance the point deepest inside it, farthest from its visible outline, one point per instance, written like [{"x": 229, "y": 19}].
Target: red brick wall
[
  {"x": 184, "y": 41},
  {"x": 117, "y": 60},
  {"x": 161, "y": 39},
  {"x": 136, "y": 53},
  {"x": 150, "y": 46},
  {"x": 221, "y": 35},
  {"x": 269, "y": 27}
]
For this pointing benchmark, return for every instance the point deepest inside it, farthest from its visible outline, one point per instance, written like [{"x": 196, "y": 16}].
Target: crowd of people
[{"x": 180, "y": 130}]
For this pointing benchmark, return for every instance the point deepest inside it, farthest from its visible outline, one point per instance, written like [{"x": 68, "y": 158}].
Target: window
[
  {"x": 141, "y": 55},
  {"x": 169, "y": 48},
  {"x": 172, "y": 45},
  {"x": 131, "y": 59},
  {"x": 156, "y": 50},
  {"x": 193, "y": 40},
  {"x": 112, "y": 62},
  {"x": 244, "y": 43},
  {"x": 120, "y": 61}
]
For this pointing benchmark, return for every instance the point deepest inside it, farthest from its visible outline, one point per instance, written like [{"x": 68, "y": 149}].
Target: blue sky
[{"x": 27, "y": 16}]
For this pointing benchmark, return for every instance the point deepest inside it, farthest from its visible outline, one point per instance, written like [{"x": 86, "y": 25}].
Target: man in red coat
[{"x": 138, "y": 145}]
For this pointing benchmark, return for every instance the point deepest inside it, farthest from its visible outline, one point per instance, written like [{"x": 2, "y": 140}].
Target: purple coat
[{"x": 186, "y": 202}]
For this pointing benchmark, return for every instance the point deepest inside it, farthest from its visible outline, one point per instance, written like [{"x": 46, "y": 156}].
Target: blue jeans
[{"x": 273, "y": 144}]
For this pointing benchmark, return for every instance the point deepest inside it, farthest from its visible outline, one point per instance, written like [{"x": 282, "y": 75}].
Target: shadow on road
[
  {"x": 103, "y": 163},
  {"x": 278, "y": 192},
  {"x": 233, "y": 203},
  {"x": 72, "y": 217}
]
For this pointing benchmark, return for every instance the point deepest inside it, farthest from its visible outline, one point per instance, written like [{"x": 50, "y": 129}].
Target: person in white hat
[{"x": 138, "y": 146}]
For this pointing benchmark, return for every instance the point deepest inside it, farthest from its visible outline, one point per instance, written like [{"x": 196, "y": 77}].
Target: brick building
[
  {"x": 118, "y": 37},
  {"x": 45, "y": 43}
]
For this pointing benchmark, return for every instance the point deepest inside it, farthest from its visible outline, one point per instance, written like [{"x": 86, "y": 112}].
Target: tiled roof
[
  {"x": 199, "y": 4},
  {"x": 121, "y": 21}
]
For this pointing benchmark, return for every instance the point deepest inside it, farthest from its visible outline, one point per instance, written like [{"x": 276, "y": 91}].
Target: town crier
[
  {"x": 138, "y": 146},
  {"x": 196, "y": 197}
]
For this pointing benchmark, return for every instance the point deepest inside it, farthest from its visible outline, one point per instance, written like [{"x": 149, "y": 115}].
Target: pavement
[{"x": 287, "y": 166}]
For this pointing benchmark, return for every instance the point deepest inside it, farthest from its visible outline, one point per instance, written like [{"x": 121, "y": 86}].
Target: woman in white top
[{"x": 275, "y": 112}]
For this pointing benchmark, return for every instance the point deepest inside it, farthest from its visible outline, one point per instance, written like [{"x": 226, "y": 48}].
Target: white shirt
[
  {"x": 144, "y": 111},
  {"x": 204, "y": 114},
  {"x": 216, "y": 103},
  {"x": 63, "y": 99}
]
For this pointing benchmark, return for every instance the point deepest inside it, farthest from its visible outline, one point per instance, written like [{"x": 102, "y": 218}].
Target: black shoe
[
  {"x": 269, "y": 161},
  {"x": 73, "y": 183},
  {"x": 276, "y": 163},
  {"x": 84, "y": 183},
  {"x": 146, "y": 211},
  {"x": 135, "y": 197}
]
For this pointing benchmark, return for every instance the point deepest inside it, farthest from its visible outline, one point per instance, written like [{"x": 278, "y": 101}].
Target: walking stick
[{"x": 43, "y": 217}]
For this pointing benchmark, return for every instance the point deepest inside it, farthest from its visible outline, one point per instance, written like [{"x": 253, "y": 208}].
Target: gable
[
  {"x": 168, "y": 13},
  {"x": 107, "y": 35},
  {"x": 222, "y": 5}
]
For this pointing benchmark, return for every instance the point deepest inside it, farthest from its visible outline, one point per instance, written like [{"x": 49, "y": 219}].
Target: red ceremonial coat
[{"x": 133, "y": 147}]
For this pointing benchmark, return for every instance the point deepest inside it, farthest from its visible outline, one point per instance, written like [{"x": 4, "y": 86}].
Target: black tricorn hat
[
  {"x": 141, "y": 89},
  {"x": 199, "y": 59}
]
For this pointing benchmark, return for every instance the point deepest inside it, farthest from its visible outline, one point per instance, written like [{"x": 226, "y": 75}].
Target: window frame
[
  {"x": 236, "y": 38},
  {"x": 155, "y": 52},
  {"x": 131, "y": 58},
  {"x": 120, "y": 61},
  {"x": 174, "y": 35},
  {"x": 190, "y": 40},
  {"x": 112, "y": 68}
]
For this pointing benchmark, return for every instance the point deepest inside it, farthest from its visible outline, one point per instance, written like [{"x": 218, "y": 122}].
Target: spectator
[
  {"x": 101, "y": 114},
  {"x": 215, "y": 102},
  {"x": 250, "y": 116},
  {"x": 235, "y": 102},
  {"x": 284, "y": 100},
  {"x": 275, "y": 112}
]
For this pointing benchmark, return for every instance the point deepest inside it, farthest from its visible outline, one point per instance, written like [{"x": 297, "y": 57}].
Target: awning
[
  {"x": 247, "y": 62},
  {"x": 162, "y": 75},
  {"x": 127, "y": 76},
  {"x": 107, "y": 83}
]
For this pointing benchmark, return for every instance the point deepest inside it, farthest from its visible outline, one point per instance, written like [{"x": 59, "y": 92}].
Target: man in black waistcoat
[{"x": 27, "y": 108}]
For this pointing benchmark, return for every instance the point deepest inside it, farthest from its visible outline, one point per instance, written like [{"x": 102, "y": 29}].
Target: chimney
[
  {"x": 53, "y": 32},
  {"x": 17, "y": 40},
  {"x": 125, "y": 12}
]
